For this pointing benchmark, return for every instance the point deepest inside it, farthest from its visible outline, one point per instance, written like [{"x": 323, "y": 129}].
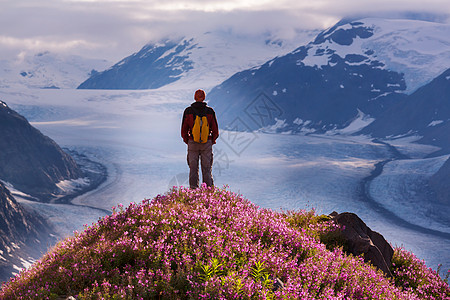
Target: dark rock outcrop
[
  {"x": 23, "y": 236},
  {"x": 360, "y": 239},
  {"x": 30, "y": 161}
]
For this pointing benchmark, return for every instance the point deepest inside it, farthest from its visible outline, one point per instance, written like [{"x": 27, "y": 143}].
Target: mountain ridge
[
  {"x": 30, "y": 161},
  {"x": 205, "y": 59}
]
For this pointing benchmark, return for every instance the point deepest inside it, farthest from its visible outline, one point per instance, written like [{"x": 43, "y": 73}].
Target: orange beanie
[{"x": 199, "y": 95}]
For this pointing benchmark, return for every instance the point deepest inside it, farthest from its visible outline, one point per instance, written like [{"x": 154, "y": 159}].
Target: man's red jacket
[{"x": 199, "y": 108}]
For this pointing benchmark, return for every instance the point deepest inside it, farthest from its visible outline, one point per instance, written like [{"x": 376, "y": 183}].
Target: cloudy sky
[{"x": 113, "y": 29}]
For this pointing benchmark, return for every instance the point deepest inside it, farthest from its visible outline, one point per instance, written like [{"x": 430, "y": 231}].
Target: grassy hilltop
[{"x": 213, "y": 244}]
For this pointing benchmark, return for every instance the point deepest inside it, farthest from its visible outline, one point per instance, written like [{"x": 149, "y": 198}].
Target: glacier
[{"x": 136, "y": 136}]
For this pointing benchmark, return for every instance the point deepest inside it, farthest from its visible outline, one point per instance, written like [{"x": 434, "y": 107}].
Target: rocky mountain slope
[
  {"x": 426, "y": 113},
  {"x": 30, "y": 161},
  {"x": 24, "y": 237}
]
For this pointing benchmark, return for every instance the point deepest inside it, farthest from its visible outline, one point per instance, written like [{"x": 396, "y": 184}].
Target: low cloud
[{"x": 113, "y": 29}]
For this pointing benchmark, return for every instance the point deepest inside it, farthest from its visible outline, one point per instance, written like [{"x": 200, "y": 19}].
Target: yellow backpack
[{"x": 200, "y": 130}]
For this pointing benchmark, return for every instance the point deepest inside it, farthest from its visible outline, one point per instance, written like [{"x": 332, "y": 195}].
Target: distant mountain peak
[
  {"x": 417, "y": 49},
  {"x": 343, "y": 33},
  {"x": 205, "y": 59}
]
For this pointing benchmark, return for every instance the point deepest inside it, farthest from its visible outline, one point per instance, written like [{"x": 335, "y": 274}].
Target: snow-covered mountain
[
  {"x": 347, "y": 77},
  {"x": 201, "y": 61},
  {"x": 48, "y": 70},
  {"x": 418, "y": 49}
]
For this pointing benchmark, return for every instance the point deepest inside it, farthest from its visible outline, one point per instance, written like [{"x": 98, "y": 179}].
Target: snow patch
[
  {"x": 436, "y": 122},
  {"x": 393, "y": 85},
  {"x": 26, "y": 263},
  {"x": 447, "y": 77},
  {"x": 314, "y": 60},
  {"x": 15, "y": 192},
  {"x": 17, "y": 268},
  {"x": 361, "y": 121},
  {"x": 168, "y": 52},
  {"x": 298, "y": 121},
  {"x": 120, "y": 63},
  {"x": 275, "y": 93},
  {"x": 379, "y": 96},
  {"x": 279, "y": 124},
  {"x": 303, "y": 126},
  {"x": 69, "y": 186}
]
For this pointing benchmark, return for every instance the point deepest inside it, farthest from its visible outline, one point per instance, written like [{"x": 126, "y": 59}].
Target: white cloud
[{"x": 113, "y": 29}]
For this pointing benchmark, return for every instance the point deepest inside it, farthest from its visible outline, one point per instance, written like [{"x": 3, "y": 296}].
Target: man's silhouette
[{"x": 199, "y": 150}]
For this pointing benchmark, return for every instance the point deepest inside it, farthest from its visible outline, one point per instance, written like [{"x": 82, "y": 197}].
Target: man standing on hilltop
[{"x": 199, "y": 131}]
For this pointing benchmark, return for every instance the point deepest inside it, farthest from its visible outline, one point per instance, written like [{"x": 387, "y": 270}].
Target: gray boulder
[{"x": 360, "y": 239}]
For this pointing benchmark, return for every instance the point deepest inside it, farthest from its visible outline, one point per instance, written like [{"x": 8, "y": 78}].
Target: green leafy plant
[
  {"x": 258, "y": 271},
  {"x": 208, "y": 271}
]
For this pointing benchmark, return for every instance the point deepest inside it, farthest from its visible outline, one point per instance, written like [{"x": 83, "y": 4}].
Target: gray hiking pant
[{"x": 203, "y": 152}]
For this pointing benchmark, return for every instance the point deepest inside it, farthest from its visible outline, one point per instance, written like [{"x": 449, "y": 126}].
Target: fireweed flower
[{"x": 210, "y": 243}]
